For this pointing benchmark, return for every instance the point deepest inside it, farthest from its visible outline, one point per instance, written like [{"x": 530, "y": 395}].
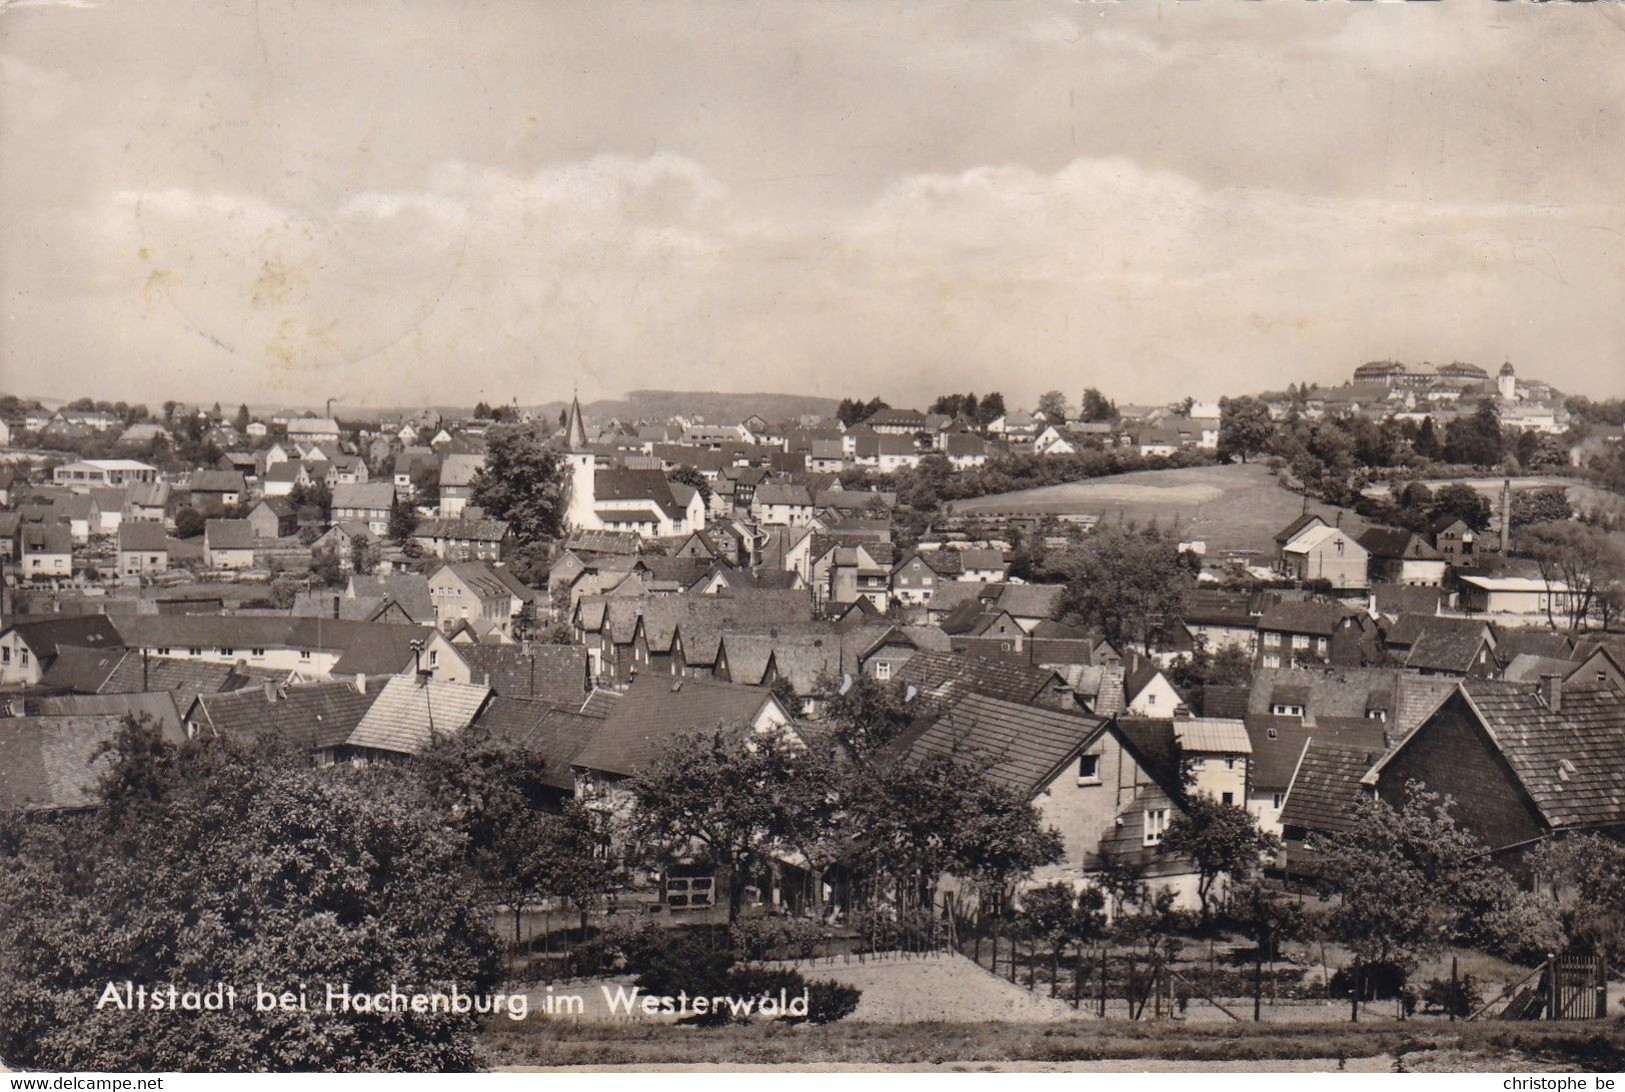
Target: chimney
[
  {"x": 361, "y": 682},
  {"x": 1551, "y": 692},
  {"x": 270, "y": 691},
  {"x": 1506, "y": 514}
]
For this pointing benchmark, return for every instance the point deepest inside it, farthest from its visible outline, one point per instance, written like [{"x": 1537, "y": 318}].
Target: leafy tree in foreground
[
  {"x": 1220, "y": 840},
  {"x": 234, "y": 863}
]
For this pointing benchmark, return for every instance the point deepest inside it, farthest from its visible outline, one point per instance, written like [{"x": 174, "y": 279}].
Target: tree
[
  {"x": 1584, "y": 876},
  {"x": 1193, "y": 674},
  {"x": 1578, "y": 563},
  {"x": 237, "y": 862},
  {"x": 1458, "y": 500},
  {"x": 364, "y": 555},
  {"x": 1245, "y": 427},
  {"x": 1549, "y": 505},
  {"x": 243, "y": 419},
  {"x": 915, "y": 821},
  {"x": 524, "y": 482},
  {"x": 189, "y": 522},
  {"x": 689, "y": 476},
  {"x": 1220, "y": 840},
  {"x": 1130, "y": 583},
  {"x": 317, "y": 497},
  {"x": 1094, "y": 406},
  {"x": 1401, "y": 876},
  {"x": 403, "y": 520},
  {"x": 990, "y": 409},
  {"x": 866, "y": 714},
  {"x": 716, "y": 791},
  {"x": 1476, "y": 440},
  {"x": 1052, "y": 404}
]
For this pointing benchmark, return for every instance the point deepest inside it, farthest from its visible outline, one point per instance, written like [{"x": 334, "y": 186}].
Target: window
[
  {"x": 1198, "y": 763},
  {"x": 194, "y": 652},
  {"x": 228, "y": 652},
  {"x": 1272, "y": 640},
  {"x": 1271, "y": 660},
  {"x": 1281, "y": 710},
  {"x": 304, "y": 654},
  {"x": 1156, "y": 825},
  {"x": 256, "y": 652},
  {"x": 1300, "y": 640},
  {"x": 883, "y": 670},
  {"x": 162, "y": 651},
  {"x": 1274, "y": 734},
  {"x": 1088, "y": 768},
  {"x": 434, "y": 657},
  {"x": 1227, "y": 798},
  {"x": 22, "y": 656},
  {"x": 1376, "y": 714},
  {"x": 1277, "y": 799},
  {"x": 1229, "y": 764},
  {"x": 5, "y": 655},
  {"x": 685, "y": 892},
  {"x": 1151, "y": 699}
]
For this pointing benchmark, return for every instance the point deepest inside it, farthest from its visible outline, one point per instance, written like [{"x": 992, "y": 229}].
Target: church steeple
[{"x": 575, "y": 430}]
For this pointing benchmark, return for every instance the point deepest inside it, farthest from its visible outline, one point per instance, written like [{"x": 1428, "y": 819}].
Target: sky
[{"x": 439, "y": 202}]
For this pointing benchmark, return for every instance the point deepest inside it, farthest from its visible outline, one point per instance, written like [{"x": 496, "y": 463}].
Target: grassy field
[
  {"x": 1372, "y": 1044},
  {"x": 1235, "y": 507}
]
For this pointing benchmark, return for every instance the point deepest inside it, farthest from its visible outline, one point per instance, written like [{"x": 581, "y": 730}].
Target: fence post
[
  {"x": 1554, "y": 996},
  {"x": 1455, "y": 988},
  {"x": 1258, "y": 987},
  {"x": 1077, "y": 978},
  {"x": 1103, "y": 958},
  {"x": 1602, "y": 986},
  {"x": 1032, "y": 958},
  {"x": 1012, "y": 956}
]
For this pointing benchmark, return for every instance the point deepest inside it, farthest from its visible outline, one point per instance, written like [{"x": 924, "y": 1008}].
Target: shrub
[
  {"x": 828, "y": 1002},
  {"x": 1378, "y": 981},
  {"x": 1439, "y": 996},
  {"x": 775, "y": 938}
]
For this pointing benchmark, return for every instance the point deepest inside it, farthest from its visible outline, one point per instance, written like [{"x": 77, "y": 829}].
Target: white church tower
[
  {"x": 1506, "y": 384},
  {"x": 579, "y": 512}
]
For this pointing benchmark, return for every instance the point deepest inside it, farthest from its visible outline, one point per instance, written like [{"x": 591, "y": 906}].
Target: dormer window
[{"x": 1088, "y": 769}]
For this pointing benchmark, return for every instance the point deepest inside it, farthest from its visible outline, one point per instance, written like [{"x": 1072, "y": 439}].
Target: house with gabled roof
[
  {"x": 45, "y": 551},
  {"x": 28, "y": 648},
  {"x": 364, "y": 502},
  {"x": 229, "y": 543},
  {"x": 409, "y": 714},
  {"x": 143, "y": 550},
  {"x": 1523, "y": 762},
  {"x": 1109, "y": 796},
  {"x": 554, "y": 733},
  {"x": 1454, "y": 646},
  {"x": 317, "y": 717},
  {"x": 213, "y": 491},
  {"x": 1399, "y": 556},
  {"x": 467, "y": 538}
]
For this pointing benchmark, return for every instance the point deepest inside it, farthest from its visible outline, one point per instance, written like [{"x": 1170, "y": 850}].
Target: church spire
[{"x": 575, "y": 430}]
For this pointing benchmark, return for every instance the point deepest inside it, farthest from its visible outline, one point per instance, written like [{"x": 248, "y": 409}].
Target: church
[{"x": 615, "y": 498}]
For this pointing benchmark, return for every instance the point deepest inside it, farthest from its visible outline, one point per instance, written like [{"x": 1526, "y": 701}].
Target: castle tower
[
  {"x": 1506, "y": 384},
  {"x": 579, "y": 512}
]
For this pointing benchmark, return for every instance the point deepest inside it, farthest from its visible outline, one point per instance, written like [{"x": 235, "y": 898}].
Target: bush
[
  {"x": 775, "y": 938},
  {"x": 1378, "y": 981},
  {"x": 1463, "y": 998},
  {"x": 828, "y": 1002}
]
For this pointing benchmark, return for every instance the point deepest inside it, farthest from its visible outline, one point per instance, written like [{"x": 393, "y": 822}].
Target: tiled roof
[
  {"x": 463, "y": 530},
  {"x": 228, "y": 534},
  {"x": 460, "y": 469},
  {"x": 1219, "y": 607},
  {"x": 83, "y": 670},
  {"x": 1398, "y": 544},
  {"x": 1212, "y": 735},
  {"x": 142, "y": 535},
  {"x": 367, "y": 647},
  {"x": 556, "y": 674},
  {"x": 1313, "y": 618},
  {"x": 1514, "y": 641},
  {"x": 558, "y": 735},
  {"x": 1326, "y": 790},
  {"x": 411, "y": 711},
  {"x": 314, "y": 715},
  {"x": 185, "y": 679},
  {"x": 946, "y": 678},
  {"x": 1225, "y": 701},
  {"x": 599, "y": 703},
  {"x": 159, "y": 708},
  {"x": 373, "y": 496},
  {"x": 1029, "y": 600},
  {"x": 1278, "y": 743},
  {"x": 1571, "y": 762},
  {"x": 1527, "y": 667},
  {"x": 218, "y": 481},
  {"x": 1017, "y": 745},
  {"x": 1397, "y": 599},
  {"x": 656, "y": 709},
  {"x": 46, "y": 636},
  {"x": 1448, "y": 644},
  {"x": 52, "y": 762}
]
